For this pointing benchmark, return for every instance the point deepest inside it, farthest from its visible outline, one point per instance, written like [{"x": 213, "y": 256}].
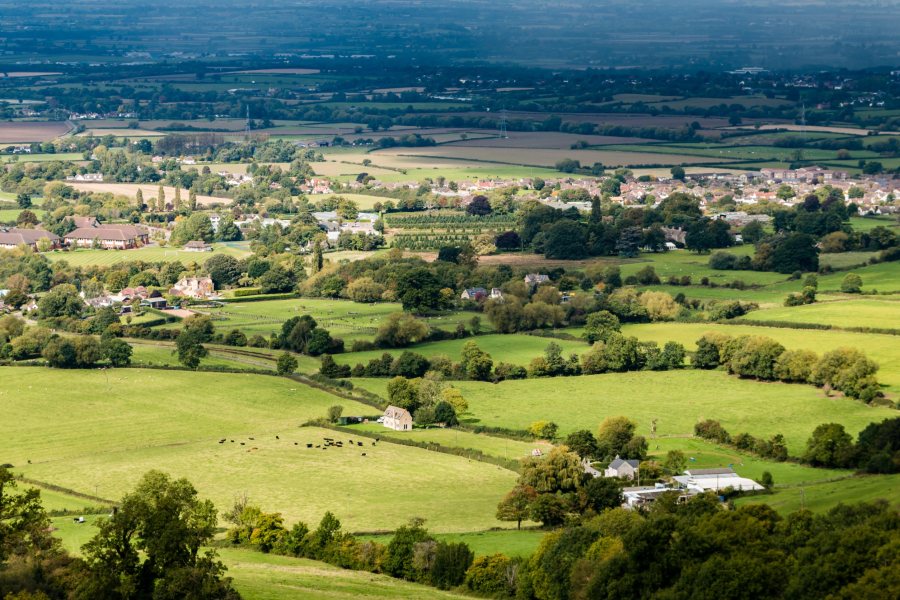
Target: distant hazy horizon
[{"x": 690, "y": 34}]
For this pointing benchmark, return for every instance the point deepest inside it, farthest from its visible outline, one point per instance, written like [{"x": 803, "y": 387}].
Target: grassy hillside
[{"x": 116, "y": 425}]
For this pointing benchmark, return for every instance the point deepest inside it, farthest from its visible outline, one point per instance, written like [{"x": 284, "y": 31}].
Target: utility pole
[
  {"x": 503, "y": 133},
  {"x": 247, "y": 127}
]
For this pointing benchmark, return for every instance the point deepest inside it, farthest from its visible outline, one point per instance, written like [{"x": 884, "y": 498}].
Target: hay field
[{"x": 545, "y": 139}]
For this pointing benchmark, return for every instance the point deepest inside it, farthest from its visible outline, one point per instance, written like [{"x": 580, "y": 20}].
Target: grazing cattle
[
  {"x": 295, "y": 443},
  {"x": 309, "y": 445},
  {"x": 364, "y": 453},
  {"x": 318, "y": 445},
  {"x": 252, "y": 439},
  {"x": 359, "y": 443},
  {"x": 242, "y": 443}
]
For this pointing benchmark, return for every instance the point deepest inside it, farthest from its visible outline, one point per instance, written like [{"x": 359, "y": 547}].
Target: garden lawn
[
  {"x": 882, "y": 348},
  {"x": 259, "y": 576},
  {"x": 95, "y": 435},
  {"x": 511, "y": 348},
  {"x": 820, "y": 497},
  {"x": 677, "y": 399},
  {"x": 866, "y": 311}
]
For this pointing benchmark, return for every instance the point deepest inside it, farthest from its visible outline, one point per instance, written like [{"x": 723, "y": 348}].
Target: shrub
[{"x": 852, "y": 284}]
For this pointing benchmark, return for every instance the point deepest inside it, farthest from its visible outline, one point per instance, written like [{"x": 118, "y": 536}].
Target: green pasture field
[
  {"x": 845, "y": 260},
  {"x": 30, "y": 158},
  {"x": 884, "y": 277},
  {"x": 677, "y": 399},
  {"x": 512, "y": 348},
  {"x": 54, "y": 500},
  {"x": 456, "y": 438},
  {"x": 822, "y": 496},
  {"x": 343, "y": 318},
  {"x": 152, "y": 354},
  {"x": 104, "y": 436},
  {"x": 259, "y": 576},
  {"x": 684, "y": 262},
  {"x": 875, "y": 312},
  {"x": 883, "y": 349},
  {"x": 153, "y": 253},
  {"x": 870, "y": 223},
  {"x": 74, "y": 535},
  {"x": 484, "y": 543},
  {"x": 9, "y": 215}
]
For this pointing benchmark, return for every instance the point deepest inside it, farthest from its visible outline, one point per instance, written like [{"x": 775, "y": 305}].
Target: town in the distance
[{"x": 449, "y": 300}]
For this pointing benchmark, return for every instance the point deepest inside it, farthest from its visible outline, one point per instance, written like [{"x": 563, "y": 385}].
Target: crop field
[
  {"x": 716, "y": 151},
  {"x": 877, "y": 312},
  {"x": 259, "y": 576},
  {"x": 150, "y": 354},
  {"x": 677, "y": 399},
  {"x": 152, "y": 253},
  {"x": 881, "y": 348},
  {"x": 17, "y": 132},
  {"x": 546, "y": 157},
  {"x": 513, "y": 348},
  {"x": 544, "y": 139},
  {"x": 149, "y": 191},
  {"x": 102, "y": 439}
]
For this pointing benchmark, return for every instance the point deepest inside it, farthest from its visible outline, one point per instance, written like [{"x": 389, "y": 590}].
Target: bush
[
  {"x": 286, "y": 364},
  {"x": 852, "y": 284}
]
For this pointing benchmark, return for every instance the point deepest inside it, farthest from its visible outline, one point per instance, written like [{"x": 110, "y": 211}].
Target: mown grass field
[
  {"x": 153, "y": 253},
  {"x": 882, "y": 348},
  {"x": 259, "y": 576},
  {"x": 677, "y": 399},
  {"x": 9, "y": 215},
  {"x": 875, "y": 312},
  {"x": 683, "y": 262},
  {"x": 118, "y": 424}
]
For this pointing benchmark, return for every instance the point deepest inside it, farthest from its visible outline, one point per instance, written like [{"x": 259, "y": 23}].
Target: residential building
[
  {"x": 15, "y": 237},
  {"x": 397, "y": 418},
  {"x": 536, "y": 279},
  {"x": 620, "y": 467},
  {"x": 197, "y": 246},
  {"x": 194, "y": 287},
  {"x": 108, "y": 236},
  {"x": 474, "y": 294}
]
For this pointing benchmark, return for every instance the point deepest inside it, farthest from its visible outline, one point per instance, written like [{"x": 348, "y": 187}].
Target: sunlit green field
[
  {"x": 259, "y": 576},
  {"x": 342, "y": 318},
  {"x": 879, "y": 312},
  {"x": 825, "y": 495},
  {"x": 99, "y": 432},
  {"x": 882, "y": 348},
  {"x": 676, "y": 399},
  {"x": 512, "y": 348}
]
